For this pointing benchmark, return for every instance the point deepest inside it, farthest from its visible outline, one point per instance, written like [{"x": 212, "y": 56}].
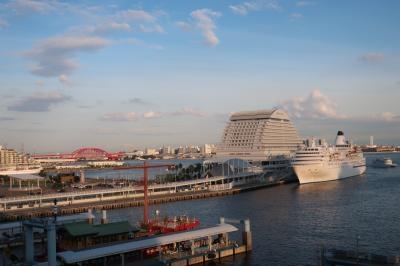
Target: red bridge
[{"x": 86, "y": 153}]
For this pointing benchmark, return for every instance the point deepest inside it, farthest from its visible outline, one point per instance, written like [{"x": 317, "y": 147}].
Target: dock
[
  {"x": 23, "y": 208},
  {"x": 177, "y": 249}
]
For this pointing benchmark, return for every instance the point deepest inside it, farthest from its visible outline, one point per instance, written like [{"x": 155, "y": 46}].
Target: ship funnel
[{"x": 340, "y": 139}]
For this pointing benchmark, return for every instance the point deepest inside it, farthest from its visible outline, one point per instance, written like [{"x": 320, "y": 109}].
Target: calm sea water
[{"x": 290, "y": 222}]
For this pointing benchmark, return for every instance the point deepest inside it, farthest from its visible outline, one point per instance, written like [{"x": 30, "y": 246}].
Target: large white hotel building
[{"x": 259, "y": 136}]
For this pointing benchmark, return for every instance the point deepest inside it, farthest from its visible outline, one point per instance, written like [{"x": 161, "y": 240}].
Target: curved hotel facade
[{"x": 259, "y": 136}]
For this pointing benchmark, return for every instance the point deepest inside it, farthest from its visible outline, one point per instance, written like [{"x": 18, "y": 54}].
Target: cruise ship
[{"x": 320, "y": 162}]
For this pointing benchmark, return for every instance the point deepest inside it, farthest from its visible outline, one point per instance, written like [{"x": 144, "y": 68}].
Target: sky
[{"x": 124, "y": 75}]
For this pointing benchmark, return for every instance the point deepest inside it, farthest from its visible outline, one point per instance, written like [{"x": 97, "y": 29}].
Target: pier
[
  {"x": 177, "y": 249},
  {"x": 21, "y": 208}
]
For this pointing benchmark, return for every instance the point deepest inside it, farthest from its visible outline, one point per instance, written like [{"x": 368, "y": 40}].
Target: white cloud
[
  {"x": 54, "y": 56},
  {"x": 316, "y": 105},
  {"x": 107, "y": 26},
  {"x": 246, "y": 7},
  {"x": 188, "y": 111},
  {"x": 183, "y": 25},
  {"x": 148, "y": 29},
  {"x": 22, "y": 6},
  {"x": 239, "y": 9},
  {"x": 130, "y": 116},
  {"x": 205, "y": 22},
  {"x": 296, "y": 16},
  {"x": 3, "y": 23},
  {"x": 38, "y": 102},
  {"x": 137, "y": 15},
  {"x": 387, "y": 117},
  {"x": 151, "y": 114},
  {"x": 372, "y": 57},
  {"x": 63, "y": 79},
  {"x": 133, "y": 116}
]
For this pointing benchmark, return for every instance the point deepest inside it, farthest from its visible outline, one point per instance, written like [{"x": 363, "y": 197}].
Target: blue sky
[{"x": 131, "y": 74}]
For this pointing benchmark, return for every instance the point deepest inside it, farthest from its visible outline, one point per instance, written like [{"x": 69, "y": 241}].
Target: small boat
[{"x": 383, "y": 163}]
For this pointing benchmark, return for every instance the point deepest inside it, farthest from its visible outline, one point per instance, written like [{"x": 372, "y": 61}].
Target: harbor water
[{"x": 290, "y": 222}]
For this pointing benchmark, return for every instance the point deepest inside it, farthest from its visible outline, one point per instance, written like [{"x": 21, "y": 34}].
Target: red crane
[{"x": 145, "y": 168}]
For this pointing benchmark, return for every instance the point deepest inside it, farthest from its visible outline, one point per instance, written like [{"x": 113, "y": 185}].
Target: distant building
[
  {"x": 258, "y": 135},
  {"x": 371, "y": 142},
  {"x": 10, "y": 157},
  {"x": 150, "y": 151},
  {"x": 166, "y": 150},
  {"x": 207, "y": 149},
  {"x": 180, "y": 150}
]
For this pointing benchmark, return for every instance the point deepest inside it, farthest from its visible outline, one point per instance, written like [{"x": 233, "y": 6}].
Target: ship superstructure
[{"x": 321, "y": 162}]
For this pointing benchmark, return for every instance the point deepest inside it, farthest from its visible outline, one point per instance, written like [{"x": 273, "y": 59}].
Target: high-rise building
[
  {"x": 10, "y": 157},
  {"x": 207, "y": 149},
  {"x": 259, "y": 135}
]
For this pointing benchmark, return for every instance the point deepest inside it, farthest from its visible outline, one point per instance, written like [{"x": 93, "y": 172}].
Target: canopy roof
[
  {"x": 89, "y": 254},
  {"x": 85, "y": 229},
  {"x": 25, "y": 177}
]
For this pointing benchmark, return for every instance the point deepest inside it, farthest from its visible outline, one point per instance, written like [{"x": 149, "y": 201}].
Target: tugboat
[{"x": 383, "y": 163}]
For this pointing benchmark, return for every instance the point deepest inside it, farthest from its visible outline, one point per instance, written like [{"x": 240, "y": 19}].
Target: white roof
[
  {"x": 60, "y": 220},
  {"x": 259, "y": 114},
  {"x": 25, "y": 177},
  {"x": 94, "y": 253}
]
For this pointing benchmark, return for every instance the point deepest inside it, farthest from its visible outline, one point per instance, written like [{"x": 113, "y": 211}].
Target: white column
[
  {"x": 51, "y": 245},
  {"x": 29, "y": 248}
]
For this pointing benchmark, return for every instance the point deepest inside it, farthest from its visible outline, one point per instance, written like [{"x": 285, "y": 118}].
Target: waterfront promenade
[{"x": 73, "y": 202}]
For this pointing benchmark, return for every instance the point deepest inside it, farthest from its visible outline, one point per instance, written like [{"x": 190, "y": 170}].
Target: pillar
[
  {"x": 38, "y": 185},
  {"x": 11, "y": 181},
  {"x": 29, "y": 248},
  {"x": 20, "y": 185},
  {"x": 192, "y": 246},
  {"x": 51, "y": 244},
  {"x": 159, "y": 253},
  {"x": 246, "y": 235},
  {"x": 104, "y": 217},
  {"x": 122, "y": 259}
]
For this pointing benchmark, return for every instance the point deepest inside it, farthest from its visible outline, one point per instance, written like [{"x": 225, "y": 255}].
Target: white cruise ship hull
[{"x": 322, "y": 172}]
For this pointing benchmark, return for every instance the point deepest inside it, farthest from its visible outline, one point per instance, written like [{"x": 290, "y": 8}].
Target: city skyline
[{"x": 123, "y": 74}]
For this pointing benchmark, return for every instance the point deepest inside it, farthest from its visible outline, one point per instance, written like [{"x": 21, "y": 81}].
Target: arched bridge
[{"x": 85, "y": 153}]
